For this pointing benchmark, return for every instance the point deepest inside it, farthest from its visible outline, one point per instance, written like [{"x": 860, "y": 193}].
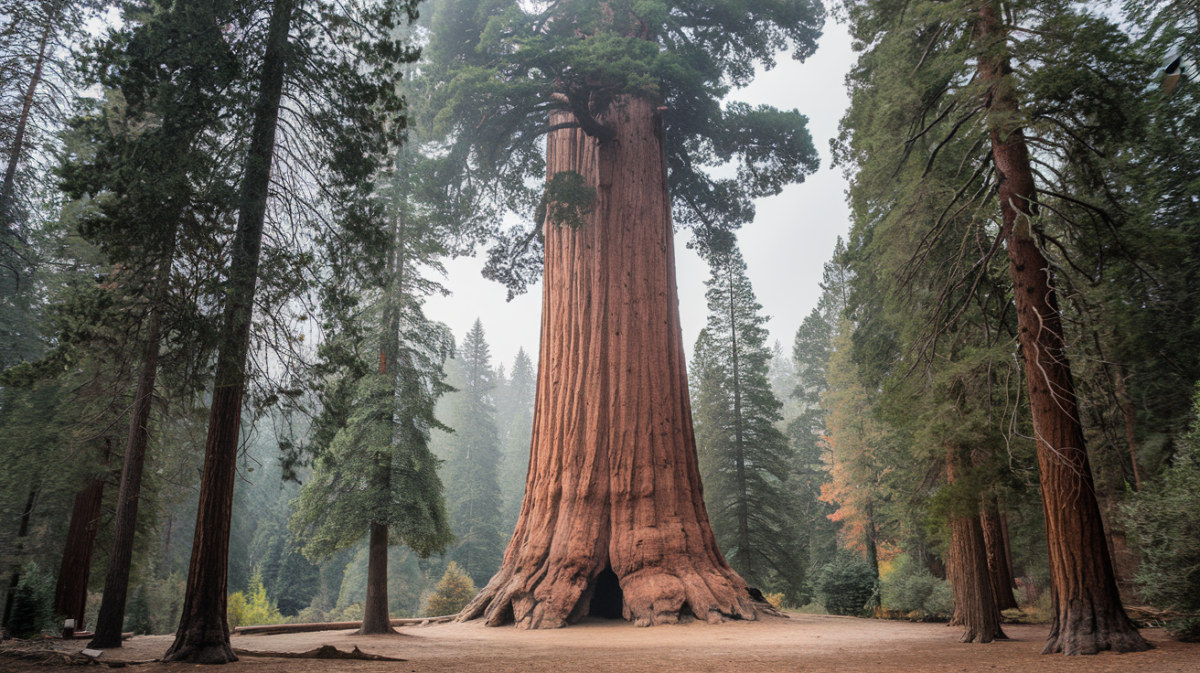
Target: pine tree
[
  {"x": 517, "y": 414},
  {"x": 472, "y": 466},
  {"x": 744, "y": 457}
]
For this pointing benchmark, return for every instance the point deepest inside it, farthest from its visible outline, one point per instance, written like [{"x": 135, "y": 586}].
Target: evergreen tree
[
  {"x": 744, "y": 457},
  {"x": 472, "y": 466},
  {"x": 516, "y": 413}
]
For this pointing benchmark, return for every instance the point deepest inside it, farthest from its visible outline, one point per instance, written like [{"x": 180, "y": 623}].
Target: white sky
[{"x": 785, "y": 247}]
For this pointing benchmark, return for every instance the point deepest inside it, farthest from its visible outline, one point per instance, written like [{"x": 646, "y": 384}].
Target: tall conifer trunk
[
  {"x": 116, "y": 581},
  {"x": 375, "y": 606},
  {"x": 970, "y": 578},
  {"x": 1088, "y": 616},
  {"x": 70, "y": 592},
  {"x": 997, "y": 554},
  {"x": 203, "y": 635},
  {"x": 613, "y": 480}
]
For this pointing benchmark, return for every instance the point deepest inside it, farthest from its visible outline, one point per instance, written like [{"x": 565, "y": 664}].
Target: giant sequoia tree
[
  {"x": 629, "y": 97},
  {"x": 952, "y": 105}
]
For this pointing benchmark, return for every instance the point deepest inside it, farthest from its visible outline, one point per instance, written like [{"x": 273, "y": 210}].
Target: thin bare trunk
[
  {"x": 1088, "y": 616},
  {"x": 8, "y": 188},
  {"x": 1130, "y": 415},
  {"x": 613, "y": 481},
  {"x": 203, "y": 635}
]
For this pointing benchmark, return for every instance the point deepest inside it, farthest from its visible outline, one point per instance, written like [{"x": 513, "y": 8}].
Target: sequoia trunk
[
  {"x": 997, "y": 554},
  {"x": 375, "y": 607},
  {"x": 613, "y": 510},
  {"x": 111, "y": 619},
  {"x": 970, "y": 579},
  {"x": 203, "y": 635},
  {"x": 1088, "y": 616},
  {"x": 70, "y": 593}
]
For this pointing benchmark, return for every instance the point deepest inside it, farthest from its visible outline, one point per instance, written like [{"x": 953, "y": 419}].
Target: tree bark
[
  {"x": 70, "y": 592},
  {"x": 111, "y": 619},
  {"x": 203, "y": 635},
  {"x": 975, "y": 606},
  {"x": 375, "y": 608},
  {"x": 8, "y": 187},
  {"x": 1088, "y": 616},
  {"x": 997, "y": 554},
  {"x": 613, "y": 479}
]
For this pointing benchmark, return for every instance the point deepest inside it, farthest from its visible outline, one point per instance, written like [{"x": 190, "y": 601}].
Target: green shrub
[
  {"x": 846, "y": 585},
  {"x": 910, "y": 588},
  {"x": 32, "y": 607},
  {"x": 1164, "y": 527},
  {"x": 451, "y": 594},
  {"x": 252, "y": 607}
]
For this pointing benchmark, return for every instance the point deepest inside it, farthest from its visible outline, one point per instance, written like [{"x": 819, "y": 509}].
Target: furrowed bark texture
[
  {"x": 1088, "y": 616},
  {"x": 203, "y": 634},
  {"x": 70, "y": 592},
  {"x": 970, "y": 578},
  {"x": 997, "y": 555},
  {"x": 613, "y": 479}
]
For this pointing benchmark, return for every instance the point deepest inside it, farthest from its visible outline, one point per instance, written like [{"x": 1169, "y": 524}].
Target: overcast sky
[{"x": 785, "y": 247}]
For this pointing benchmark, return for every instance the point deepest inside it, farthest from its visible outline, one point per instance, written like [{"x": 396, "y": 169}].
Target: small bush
[
  {"x": 451, "y": 594},
  {"x": 32, "y": 607},
  {"x": 846, "y": 585},
  {"x": 909, "y": 588},
  {"x": 252, "y": 607}
]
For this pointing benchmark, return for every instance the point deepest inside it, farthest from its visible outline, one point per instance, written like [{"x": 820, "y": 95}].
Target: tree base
[
  {"x": 648, "y": 597},
  {"x": 1089, "y": 632},
  {"x": 210, "y": 653}
]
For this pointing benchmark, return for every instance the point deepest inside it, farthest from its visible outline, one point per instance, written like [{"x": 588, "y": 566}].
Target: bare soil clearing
[{"x": 803, "y": 643}]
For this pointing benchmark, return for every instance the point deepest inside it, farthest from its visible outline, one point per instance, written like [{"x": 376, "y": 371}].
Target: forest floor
[{"x": 803, "y": 643}]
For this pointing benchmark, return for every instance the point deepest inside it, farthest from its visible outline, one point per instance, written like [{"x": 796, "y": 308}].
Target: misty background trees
[{"x": 199, "y": 200}]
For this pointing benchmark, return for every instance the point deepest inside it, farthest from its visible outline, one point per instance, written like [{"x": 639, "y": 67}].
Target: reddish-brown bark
[
  {"x": 997, "y": 554},
  {"x": 70, "y": 592},
  {"x": 613, "y": 480},
  {"x": 1088, "y": 616},
  {"x": 970, "y": 579},
  {"x": 203, "y": 634}
]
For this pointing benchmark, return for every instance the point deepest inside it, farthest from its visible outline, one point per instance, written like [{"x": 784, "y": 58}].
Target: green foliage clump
[
  {"x": 1164, "y": 527},
  {"x": 252, "y": 606},
  {"x": 451, "y": 594},
  {"x": 846, "y": 584},
  {"x": 909, "y": 588},
  {"x": 137, "y": 615},
  {"x": 33, "y": 598}
]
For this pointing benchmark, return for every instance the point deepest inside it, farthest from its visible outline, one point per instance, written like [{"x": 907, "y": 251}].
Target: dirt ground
[{"x": 803, "y": 643}]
